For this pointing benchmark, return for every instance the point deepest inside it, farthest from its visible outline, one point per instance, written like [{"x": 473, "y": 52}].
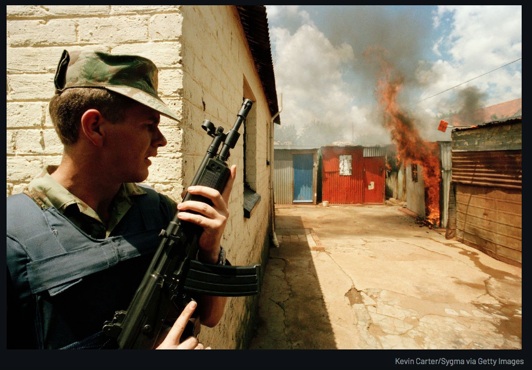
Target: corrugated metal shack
[
  {"x": 295, "y": 175},
  {"x": 353, "y": 174},
  {"x": 487, "y": 183},
  {"x": 415, "y": 192}
]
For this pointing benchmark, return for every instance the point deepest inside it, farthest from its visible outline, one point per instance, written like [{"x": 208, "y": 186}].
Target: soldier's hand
[{"x": 172, "y": 339}]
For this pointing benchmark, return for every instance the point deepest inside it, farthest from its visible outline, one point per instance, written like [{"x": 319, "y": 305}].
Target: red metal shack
[{"x": 353, "y": 174}]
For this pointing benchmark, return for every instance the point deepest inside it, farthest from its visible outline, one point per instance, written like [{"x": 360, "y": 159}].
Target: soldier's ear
[{"x": 91, "y": 122}]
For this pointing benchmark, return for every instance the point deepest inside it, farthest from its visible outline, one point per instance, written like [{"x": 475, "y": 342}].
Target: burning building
[{"x": 420, "y": 157}]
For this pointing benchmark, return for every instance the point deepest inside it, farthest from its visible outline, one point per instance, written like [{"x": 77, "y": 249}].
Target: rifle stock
[{"x": 174, "y": 273}]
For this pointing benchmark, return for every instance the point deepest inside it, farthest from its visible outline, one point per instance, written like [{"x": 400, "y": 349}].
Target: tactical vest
[{"x": 47, "y": 253}]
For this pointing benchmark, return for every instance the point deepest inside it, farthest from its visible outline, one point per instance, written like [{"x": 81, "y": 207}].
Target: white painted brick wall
[
  {"x": 203, "y": 61},
  {"x": 219, "y": 60},
  {"x": 36, "y": 36}
]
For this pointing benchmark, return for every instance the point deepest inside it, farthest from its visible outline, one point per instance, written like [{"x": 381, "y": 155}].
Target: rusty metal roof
[
  {"x": 255, "y": 23},
  {"x": 504, "y": 121}
]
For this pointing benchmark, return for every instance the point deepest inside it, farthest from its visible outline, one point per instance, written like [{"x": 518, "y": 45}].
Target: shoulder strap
[{"x": 26, "y": 221}]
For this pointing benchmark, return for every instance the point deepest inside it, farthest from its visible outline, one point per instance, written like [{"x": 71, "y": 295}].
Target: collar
[{"x": 47, "y": 192}]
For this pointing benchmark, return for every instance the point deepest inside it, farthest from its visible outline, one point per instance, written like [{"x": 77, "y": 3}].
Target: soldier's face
[{"x": 133, "y": 141}]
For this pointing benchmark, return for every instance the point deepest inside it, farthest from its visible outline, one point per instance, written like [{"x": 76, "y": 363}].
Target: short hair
[{"x": 67, "y": 107}]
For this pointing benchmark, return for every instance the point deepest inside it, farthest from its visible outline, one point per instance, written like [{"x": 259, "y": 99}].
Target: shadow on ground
[{"x": 292, "y": 294}]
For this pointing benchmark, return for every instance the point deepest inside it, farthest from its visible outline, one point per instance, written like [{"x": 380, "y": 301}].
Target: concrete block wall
[
  {"x": 205, "y": 68},
  {"x": 218, "y": 72},
  {"x": 36, "y": 37}
]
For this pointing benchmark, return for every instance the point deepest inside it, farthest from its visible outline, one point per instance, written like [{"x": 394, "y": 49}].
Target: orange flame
[{"x": 410, "y": 146}]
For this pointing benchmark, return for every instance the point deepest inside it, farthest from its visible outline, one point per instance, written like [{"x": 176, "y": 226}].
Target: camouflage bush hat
[{"x": 129, "y": 75}]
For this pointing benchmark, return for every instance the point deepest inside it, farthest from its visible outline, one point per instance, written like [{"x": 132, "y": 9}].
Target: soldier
[{"x": 101, "y": 226}]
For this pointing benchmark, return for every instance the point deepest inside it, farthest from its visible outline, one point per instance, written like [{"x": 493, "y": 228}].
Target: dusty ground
[{"x": 370, "y": 277}]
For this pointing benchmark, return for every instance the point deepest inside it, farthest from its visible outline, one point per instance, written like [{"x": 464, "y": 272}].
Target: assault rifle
[{"x": 174, "y": 273}]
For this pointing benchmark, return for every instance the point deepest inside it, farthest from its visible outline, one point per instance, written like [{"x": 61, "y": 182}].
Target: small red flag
[{"x": 442, "y": 126}]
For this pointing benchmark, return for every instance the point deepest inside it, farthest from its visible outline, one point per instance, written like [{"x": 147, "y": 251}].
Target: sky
[{"x": 328, "y": 63}]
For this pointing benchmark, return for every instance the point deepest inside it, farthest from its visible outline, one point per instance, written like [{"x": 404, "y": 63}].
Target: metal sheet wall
[
  {"x": 416, "y": 191},
  {"x": 303, "y": 177},
  {"x": 283, "y": 174},
  {"x": 374, "y": 180},
  {"x": 283, "y": 184},
  {"x": 501, "y": 169},
  {"x": 365, "y": 184},
  {"x": 446, "y": 177},
  {"x": 489, "y": 155},
  {"x": 490, "y": 220},
  {"x": 487, "y": 171},
  {"x": 338, "y": 189},
  {"x": 374, "y": 151}
]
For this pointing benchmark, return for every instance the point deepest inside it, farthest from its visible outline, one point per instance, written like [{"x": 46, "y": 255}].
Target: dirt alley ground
[{"x": 370, "y": 277}]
